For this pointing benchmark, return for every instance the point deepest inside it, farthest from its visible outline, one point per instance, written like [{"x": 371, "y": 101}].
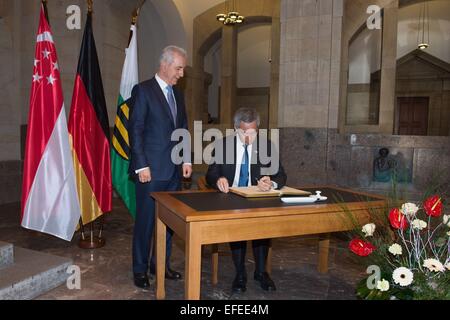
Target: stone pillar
[
  {"x": 275, "y": 67},
  {"x": 229, "y": 74},
  {"x": 196, "y": 95},
  {"x": 388, "y": 68},
  {"x": 311, "y": 32}
]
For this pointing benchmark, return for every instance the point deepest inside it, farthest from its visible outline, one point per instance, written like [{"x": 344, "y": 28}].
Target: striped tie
[{"x": 172, "y": 104}]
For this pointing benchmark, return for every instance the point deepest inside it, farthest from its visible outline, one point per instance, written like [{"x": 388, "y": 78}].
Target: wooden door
[{"x": 412, "y": 116}]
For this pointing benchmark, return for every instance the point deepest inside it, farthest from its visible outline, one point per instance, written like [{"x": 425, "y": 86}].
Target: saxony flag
[{"x": 120, "y": 153}]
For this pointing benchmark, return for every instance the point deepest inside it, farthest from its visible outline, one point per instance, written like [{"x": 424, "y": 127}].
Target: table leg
[
  {"x": 214, "y": 263},
  {"x": 324, "y": 246},
  {"x": 269, "y": 260},
  {"x": 160, "y": 255},
  {"x": 193, "y": 268}
]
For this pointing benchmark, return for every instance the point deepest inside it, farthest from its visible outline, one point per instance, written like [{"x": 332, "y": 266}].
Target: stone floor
[{"x": 106, "y": 272}]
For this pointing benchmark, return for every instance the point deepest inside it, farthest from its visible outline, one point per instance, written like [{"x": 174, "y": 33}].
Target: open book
[{"x": 254, "y": 192}]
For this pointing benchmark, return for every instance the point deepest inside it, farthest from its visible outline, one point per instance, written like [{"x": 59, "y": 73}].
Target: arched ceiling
[
  {"x": 177, "y": 18},
  {"x": 439, "y": 29}
]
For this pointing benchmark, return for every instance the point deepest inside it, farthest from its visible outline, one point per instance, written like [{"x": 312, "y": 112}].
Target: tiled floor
[{"x": 106, "y": 272}]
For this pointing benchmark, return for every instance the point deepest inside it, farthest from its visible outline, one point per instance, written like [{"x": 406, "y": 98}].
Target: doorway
[{"x": 412, "y": 116}]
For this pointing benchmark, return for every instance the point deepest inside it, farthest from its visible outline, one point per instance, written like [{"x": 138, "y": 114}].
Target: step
[
  {"x": 6, "y": 254},
  {"x": 33, "y": 273}
]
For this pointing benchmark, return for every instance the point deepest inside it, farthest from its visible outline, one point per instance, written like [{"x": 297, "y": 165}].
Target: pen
[{"x": 258, "y": 180}]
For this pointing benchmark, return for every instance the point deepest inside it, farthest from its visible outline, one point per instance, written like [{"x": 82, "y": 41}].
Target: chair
[{"x": 202, "y": 185}]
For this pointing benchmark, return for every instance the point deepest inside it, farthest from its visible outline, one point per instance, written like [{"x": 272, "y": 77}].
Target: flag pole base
[{"x": 92, "y": 243}]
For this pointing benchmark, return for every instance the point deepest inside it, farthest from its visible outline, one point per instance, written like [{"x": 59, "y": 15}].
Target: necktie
[
  {"x": 243, "y": 175},
  {"x": 172, "y": 105}
]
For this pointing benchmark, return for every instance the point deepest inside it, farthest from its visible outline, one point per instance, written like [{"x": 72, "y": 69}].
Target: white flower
[
  {"x": 448, "y": 266},
  {"x": 419, "y": 224},
  {"x": 383, "y": 285},
  {"x": 433, "y": 265},
  {"x": 448, "y": 233},
  {"x": 403, "y": 276},
  {"x": 446, "y": 220},
  {"x": 395, "y": 249},
  {"x": 409, "y": 209},
  {"x": 369, "y": 229}
]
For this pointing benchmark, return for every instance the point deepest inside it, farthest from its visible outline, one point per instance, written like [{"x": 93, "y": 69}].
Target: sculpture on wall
[
  {"x": 387, "y": 168},
  {"x": 382, "y": 166}
]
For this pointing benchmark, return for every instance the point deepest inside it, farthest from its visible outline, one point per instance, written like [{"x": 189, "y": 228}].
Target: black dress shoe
[
  {"x": 170, "y": 274},
  {"x": 141, "y": 281},
  {"x": 239, "y": 284},
  {"x": 265, "y": 281}
]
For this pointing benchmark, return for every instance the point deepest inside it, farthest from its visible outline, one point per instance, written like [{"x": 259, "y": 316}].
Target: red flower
[
  {"x": 433, "y": 206},
  {"x": 361, "y": 248},
  {"x": 397, "y": 219}
]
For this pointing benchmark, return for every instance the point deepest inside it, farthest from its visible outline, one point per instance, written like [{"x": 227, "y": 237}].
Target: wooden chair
[{"x": 202, "y": 185}]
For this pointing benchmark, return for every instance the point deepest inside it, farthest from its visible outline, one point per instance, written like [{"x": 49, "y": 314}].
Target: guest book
[{"x": 254, "y": 192}]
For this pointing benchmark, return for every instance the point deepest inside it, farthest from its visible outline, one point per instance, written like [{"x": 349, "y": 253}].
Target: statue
[
  {"x": 387, "y": 168},
  {"x": 383, "y": 166}
]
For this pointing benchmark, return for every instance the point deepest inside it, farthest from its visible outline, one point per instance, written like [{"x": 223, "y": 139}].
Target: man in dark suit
[
  {"x": 247, "y": 169},
  {"x": 158, "y": 109}
]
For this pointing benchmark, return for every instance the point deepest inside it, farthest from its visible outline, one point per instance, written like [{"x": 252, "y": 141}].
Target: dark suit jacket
[
  {"x": 216, "y": 170},
  {"x": 150, "y": 129}
]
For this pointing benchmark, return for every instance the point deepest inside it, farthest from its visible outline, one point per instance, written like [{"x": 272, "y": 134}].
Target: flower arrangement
[{"x": 408, "y": 251}]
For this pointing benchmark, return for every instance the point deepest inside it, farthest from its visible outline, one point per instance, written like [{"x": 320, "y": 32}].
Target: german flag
[{"x": 89, "y": 133}]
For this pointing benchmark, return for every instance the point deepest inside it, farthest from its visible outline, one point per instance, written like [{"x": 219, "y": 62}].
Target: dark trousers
[
  {"x": 260, "y": 251},
  {"x": 145, "y": 222}
]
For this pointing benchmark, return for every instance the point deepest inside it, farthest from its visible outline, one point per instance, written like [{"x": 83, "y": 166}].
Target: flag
[
  {"x": 89, "y": 133},
  {"x": 120, "y": 153},
  {"x": 49, "y": 195}
]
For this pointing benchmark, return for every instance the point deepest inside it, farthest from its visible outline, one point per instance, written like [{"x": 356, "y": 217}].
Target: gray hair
[
  {"x": 167, "y": 55},
  {"x": 247, "y": 115}
]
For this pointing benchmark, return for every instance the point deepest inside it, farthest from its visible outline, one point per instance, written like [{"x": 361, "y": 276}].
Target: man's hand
[
  {"x": 187, "y": 170},
  {"x": 264, "y": 184},
  {"x": 145, "y": 176},
  {"x": 223, "y": 186}
]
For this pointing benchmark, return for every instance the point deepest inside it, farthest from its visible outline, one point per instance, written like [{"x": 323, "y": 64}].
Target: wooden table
[{"x": 209, "y": 217}]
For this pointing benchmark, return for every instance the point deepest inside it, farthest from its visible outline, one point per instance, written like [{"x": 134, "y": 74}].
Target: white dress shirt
[
  {"x": 164, "y": 89},
  {"x": 239, "y": 155}
]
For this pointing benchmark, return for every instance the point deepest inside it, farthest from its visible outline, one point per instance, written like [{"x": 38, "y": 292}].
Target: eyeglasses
[{"x": 248, "y": 133}]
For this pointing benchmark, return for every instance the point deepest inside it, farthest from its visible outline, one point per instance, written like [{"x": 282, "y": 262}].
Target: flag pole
[
  {"x": 90, "y": 4},
  {"x": 82, "y": 229},
  {"x": 44, "y": 3},
  {"x": 134, "y": 19},
  {"x": 93, "y": 242}
]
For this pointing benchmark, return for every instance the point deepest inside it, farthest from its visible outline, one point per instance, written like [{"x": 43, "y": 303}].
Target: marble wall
[
  {"x": 313, "y": 151},
  {"x": 18, "y": 26},
  {"x": 322, "y": 156},
  {"x": 310, "y": 63}
]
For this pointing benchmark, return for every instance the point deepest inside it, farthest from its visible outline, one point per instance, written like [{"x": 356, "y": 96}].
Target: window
[{"x": 364, "y": 74}]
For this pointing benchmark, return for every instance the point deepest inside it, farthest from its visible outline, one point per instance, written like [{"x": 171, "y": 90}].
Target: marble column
[
  {"x": 229, "y": 74},
  {"x": 310, "y": 56},
  {"x": 194, "y": 80},
  {"x": 275, "y": 68},
  {"x": 388, "y": 68}
]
